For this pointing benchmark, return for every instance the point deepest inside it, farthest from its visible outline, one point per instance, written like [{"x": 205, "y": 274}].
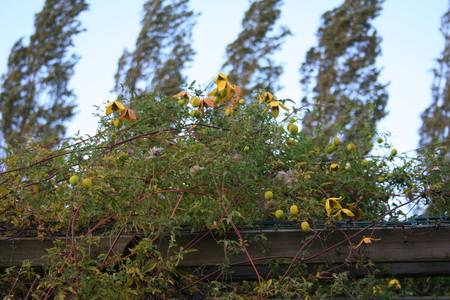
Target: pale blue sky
[{"x": 409, "y": 28}]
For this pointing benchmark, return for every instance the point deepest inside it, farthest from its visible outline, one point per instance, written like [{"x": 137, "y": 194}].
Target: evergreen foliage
[
  {"x": 340, "y": 77},
  {"x": 436, "y": 126},
  {"x": 35, "y": 98},
  {"x": 249, "y": 61},
  {"x": 436, "y": 118},
  {"x": 163, "y": 49}
]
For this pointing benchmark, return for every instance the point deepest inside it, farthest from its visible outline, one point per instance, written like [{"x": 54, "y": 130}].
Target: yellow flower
[
  {"x": 220, "y": 77},
  {"x": 225, "y": 91},
  {"x": 345, "y": 211},
  {"x": 394, "y": 283},
  {"x": 377, "y": 290},
  {"x": 266, "y": 97},
  {"x": 332, "y": 203},
  {"x": 114, "y": 106},
  {"x": 366, "y": 240},
  {"x": 334, "y": 168},
  {"x": 275, "y": 106}
]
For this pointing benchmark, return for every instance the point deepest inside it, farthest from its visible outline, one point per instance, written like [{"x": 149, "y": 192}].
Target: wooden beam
[
  {"x": 396, "y": 245},
  {"x": 400, "y": 252},
  {"x": 411, "y": 269},
  {"x": 13, "y": 251}
]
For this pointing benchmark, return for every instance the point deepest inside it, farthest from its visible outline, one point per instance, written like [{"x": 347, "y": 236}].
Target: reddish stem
[
  {"x": 113, "y": 244},
  {"x": 242, "y": 242},
  {"x": 74, "y": 248}
]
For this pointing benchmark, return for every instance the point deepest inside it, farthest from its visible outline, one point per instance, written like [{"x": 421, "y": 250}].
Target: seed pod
[
  {"x": 268, "y": 195},
  {"x": 279, "y": 214},
  {"x": 305, "y": 226}
]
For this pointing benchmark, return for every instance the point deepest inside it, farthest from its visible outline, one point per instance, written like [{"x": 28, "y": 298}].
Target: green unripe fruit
[
  {"x": 336, "y": 141},
  {"x": 228, "y": 112},
  {"x": 380, "y": 179},
  {"x": 351, "y": 147},
  {"x": 279, "y": 214},
  {"x": 394, "y": 152},
  {"x": 242, "y": 101},
  {"x": 181, "y": 102},
  {"x": 389, "y": 175},
  {"x": 196, "y": 113},
  {"x": 116, "y": 123},
  {"x": 380, "y": 140},
  {"x": 293, "y": 129},
  {"x": 364, "y": 163},
  {"x": 86, "y": 183},
  {"x": 74, "y": 180},
  {"x": 293, "y": 210},
  {"x": 331, "y": 148},
  {"x": 246, "y": 149},
  {"x": 305, "y": 226},
  {"x": 195, "y": 101},
  {"x": 268, "y": 195}
]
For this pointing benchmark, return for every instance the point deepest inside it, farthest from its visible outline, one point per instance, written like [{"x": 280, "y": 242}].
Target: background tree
[
  {"x": 35, "y": 98},
  {"x": 436, "y": 127},
  {"x": 339, "y": 75},
  {"x": 436, "y": 118},
  {"x": 249, "y": 63},
  {"x": 163, "y": 49}
]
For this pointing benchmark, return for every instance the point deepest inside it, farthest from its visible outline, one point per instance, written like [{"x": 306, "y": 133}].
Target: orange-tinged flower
[
  {"x": 366, "y": 241},
  {"x": 128, "y": 114},
  {"x": 238, "y": 90},
  {"x": 114, "y": 106},
  {"x": 184, "y": 95}
]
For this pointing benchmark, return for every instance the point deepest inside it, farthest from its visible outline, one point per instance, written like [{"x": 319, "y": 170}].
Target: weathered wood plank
[
  {"x": 399, "y": 252},
  {"x": 396, "y": 245},
  {"x": 13, "y": 251},
  {"x": 409, "y": 269}
]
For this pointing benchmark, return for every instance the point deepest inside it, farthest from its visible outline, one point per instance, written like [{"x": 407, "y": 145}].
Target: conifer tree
[
  {"x": 436, "y": 118},
  {"x": 162, "y": 50},
  {"x": 35, "y": 98},
  {"x": 249, "y": 58},
  {"x": 339, "y": 75}
]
